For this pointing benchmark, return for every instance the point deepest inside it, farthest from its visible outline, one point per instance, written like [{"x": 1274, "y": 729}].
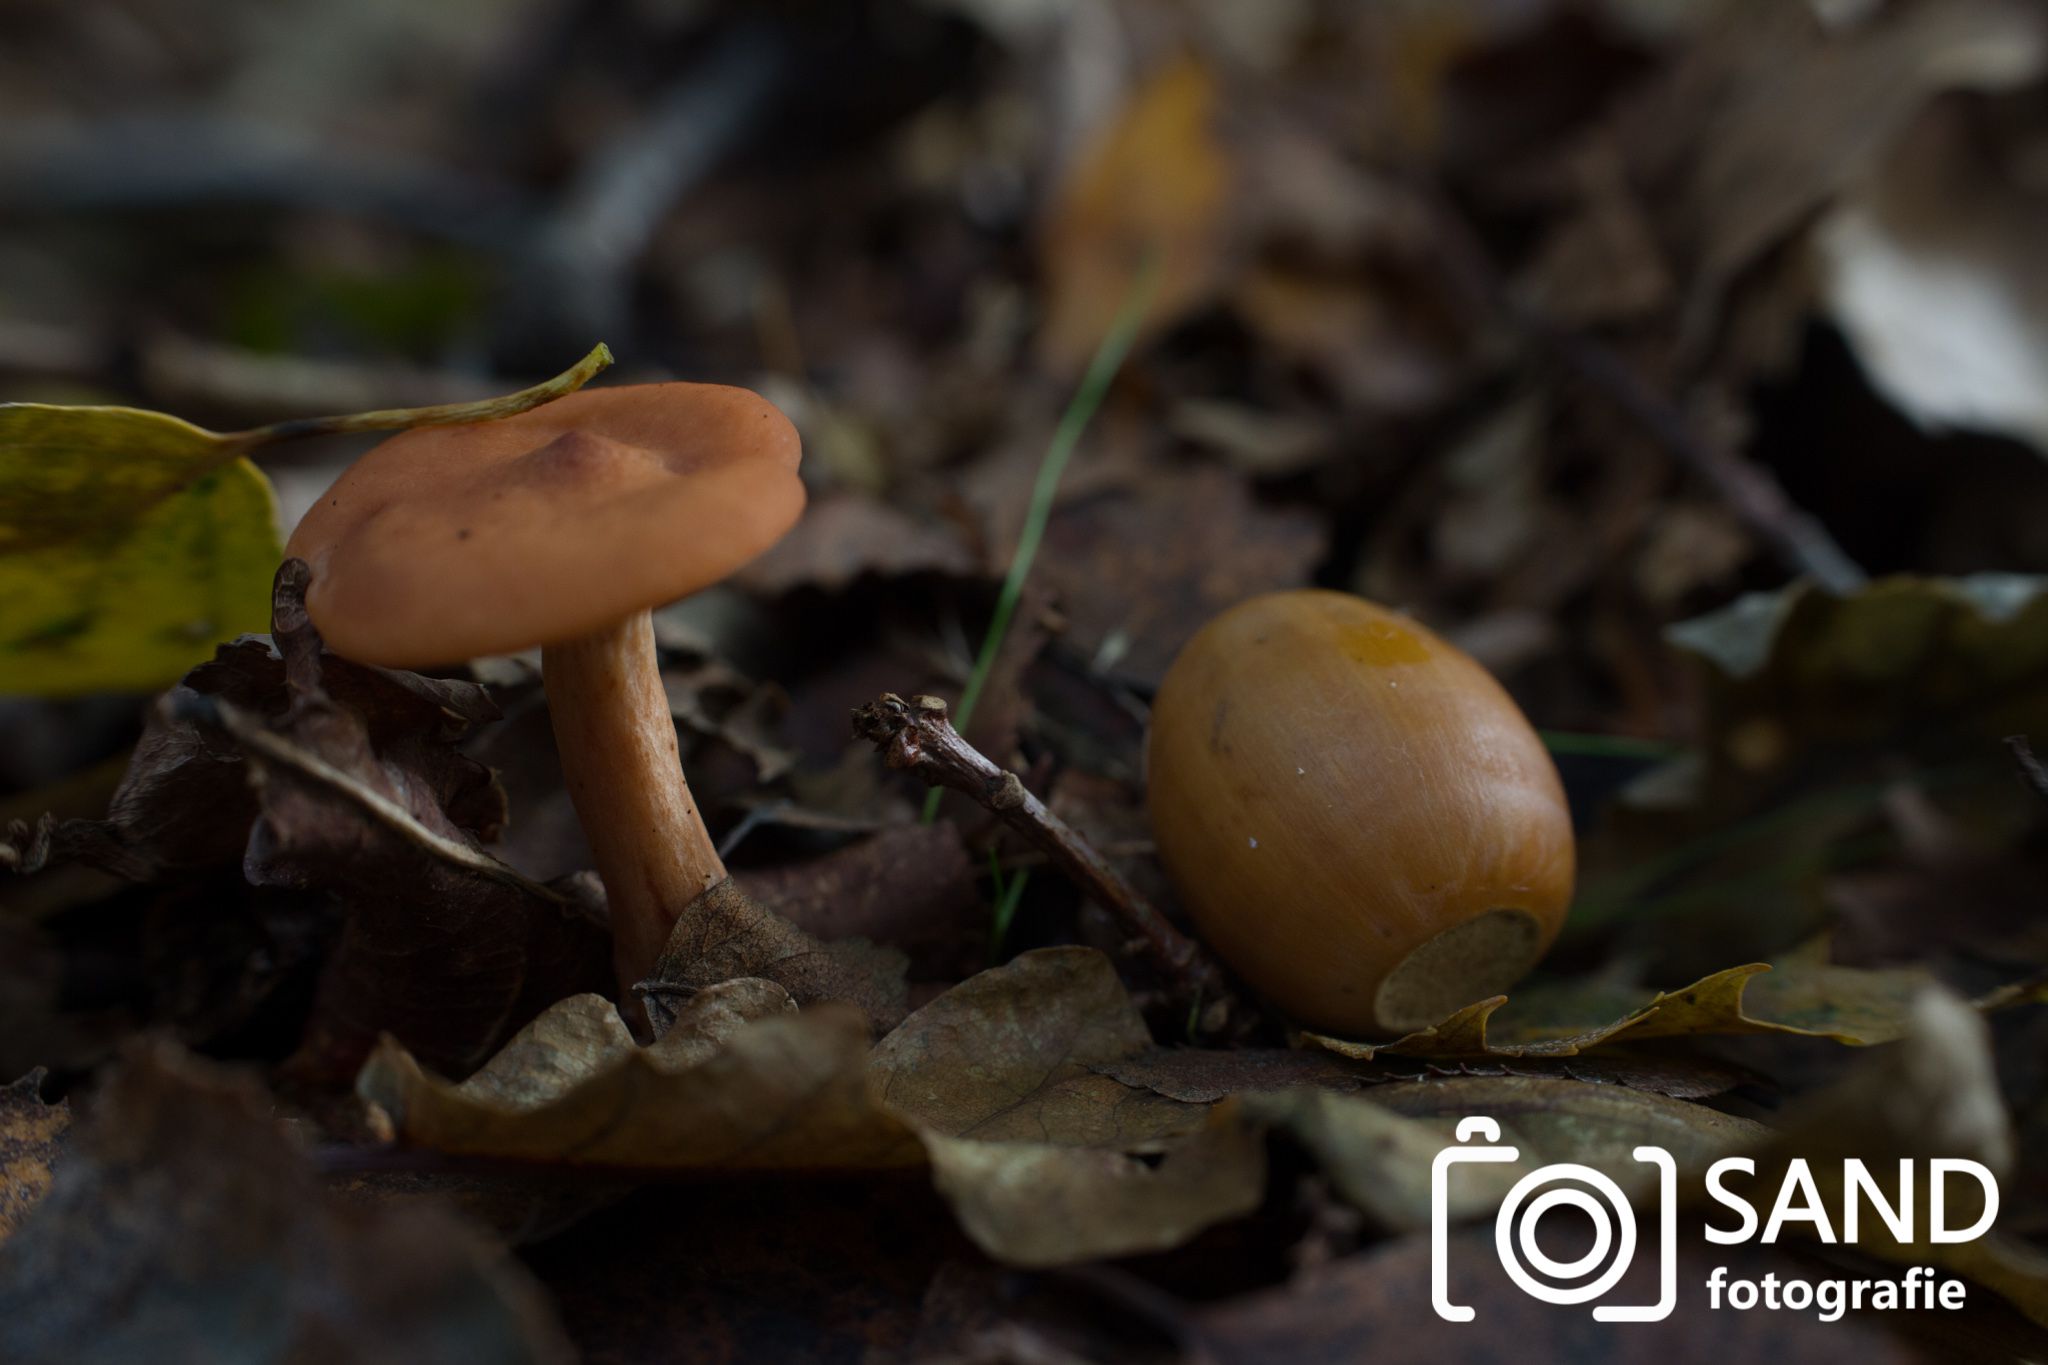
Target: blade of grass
[{"x": 1088, "y": 395}]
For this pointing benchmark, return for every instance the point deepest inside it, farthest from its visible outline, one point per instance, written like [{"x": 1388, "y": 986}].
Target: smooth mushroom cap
[{"x": 447, "y": 543}]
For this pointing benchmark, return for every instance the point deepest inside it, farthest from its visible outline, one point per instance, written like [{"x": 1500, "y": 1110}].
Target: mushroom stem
[{"x": 618, "y": 747}]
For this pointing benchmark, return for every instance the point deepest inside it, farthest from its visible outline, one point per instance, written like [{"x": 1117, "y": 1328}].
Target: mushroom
[{"x": 563, "y": 527}]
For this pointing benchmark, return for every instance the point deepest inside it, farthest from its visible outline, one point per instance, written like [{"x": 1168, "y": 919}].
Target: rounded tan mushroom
[{"x": 563, "y": 527}]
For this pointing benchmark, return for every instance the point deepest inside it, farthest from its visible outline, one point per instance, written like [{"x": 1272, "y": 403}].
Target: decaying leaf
[
  {"x": 1931, "y": 269},
  {"x": 33, "y": 1135},
  {"x": 1774, "y": 112},
  {"x": 1138, "y": 571},
  {"x": 1934, "y": 1095},
  {"x": 1375, "y": 1306},
  {"x": 1012, "y": 1055},
  {"x": 1049, "y": 1204},
  {"x": 726, "y": 934},
  {"x": 1817, "y": 1000},
  {"x": 131, "y": 541},
  {"x": 1154, "y": 181},
  {"x": 1904, "y": 661},
  {"x": 1378, "y": 1149},
  {"x": 740, "y": 1081},
  {"x": 909, "y": 886},
  {"x": 847, "y": 536},
  {"x": 444, "y": 946},
  {"x": 183, "y": 1225},
  {"x": 992, "y": 1083}
]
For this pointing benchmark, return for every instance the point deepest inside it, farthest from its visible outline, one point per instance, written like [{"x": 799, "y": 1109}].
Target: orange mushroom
[{"x": 563, "y": 527}]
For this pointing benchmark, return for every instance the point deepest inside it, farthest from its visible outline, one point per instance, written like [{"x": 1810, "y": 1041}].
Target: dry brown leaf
[
  {"x": 910, "y": 887},
  {"x": 740, "y": 1081},
  {"x": 1154, "y": 181},
  {"x": 844, "y": 537},
  {"x": 1137, "y": 572},
  {"x": 726, "y": 934},
  {"x": 992, "y": 1083},
  {"x": 1850, "y": 1005},
  {"x": 1047, "y": 1204},
  {"x": 33, "y": 1136},
  {"x": 183, "y": 1225}
]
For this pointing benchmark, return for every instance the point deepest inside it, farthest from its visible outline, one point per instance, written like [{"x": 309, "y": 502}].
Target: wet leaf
[
  {"x": 33, "y": 1136},
  {"x": 184, "y": 1226},
  {"x": 1155, "y": 180},
  {"x": 131, "y": 541}
]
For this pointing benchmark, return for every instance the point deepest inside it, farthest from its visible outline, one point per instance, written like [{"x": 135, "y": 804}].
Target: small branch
[
  {"x": 2032, "y": 771},
  {"x": 917, "y": 737}
]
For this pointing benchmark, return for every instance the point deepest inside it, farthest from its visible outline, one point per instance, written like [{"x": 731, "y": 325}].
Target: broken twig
[{"x": 917, "y": 736}]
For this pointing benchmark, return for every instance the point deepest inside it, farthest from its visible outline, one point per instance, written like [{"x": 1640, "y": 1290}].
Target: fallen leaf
[
  {"x": 1851, "y": 1005},
  {"x": 726, "y": 934},
  {"x": 1012, "y": 1055},
  {"x": 131, "y": 541},
  {"x": 908, "y": 887},
  {"x": 740, "y": 1081},
  {"x": 1379, "y": 1149},
  {"x": 33, "y": 1136},
  {"x": 1934, "y": 1095},
  {"x": 1376, "y": 1306},
  {"x": 1918, "y": 663},
  {"x": 1773, "y": 113},
  {"x": 1156, "y": 180},
  {"x": 993, "y": 1084},
  {"x": 1136, "y": 572},
  {"x": 1038, "y": 1204},
  {"x": 443, "y": 945},
  {"x": 182, "y": 1225},
  {"x": 845, "y": 537},
  {"x": 1931, "y": 271}
]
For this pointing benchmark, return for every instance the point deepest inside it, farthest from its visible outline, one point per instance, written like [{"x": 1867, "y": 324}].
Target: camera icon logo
[{"x": 1614, "y": 1229}]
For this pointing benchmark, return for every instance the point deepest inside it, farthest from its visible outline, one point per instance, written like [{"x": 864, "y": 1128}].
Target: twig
[
  {"x": 917, "y": 737},
  {"x": 2032, "y": 771},
  {"x": 1751, "y": 492}
]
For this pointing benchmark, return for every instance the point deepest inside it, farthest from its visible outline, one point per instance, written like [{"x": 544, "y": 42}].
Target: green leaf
[
  {"x": 132, "y": 541},
  {"x": 133, "y": 606}
]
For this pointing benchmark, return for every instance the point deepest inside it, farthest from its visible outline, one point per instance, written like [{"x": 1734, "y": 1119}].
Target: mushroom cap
[{"x": 447, "y": 543}]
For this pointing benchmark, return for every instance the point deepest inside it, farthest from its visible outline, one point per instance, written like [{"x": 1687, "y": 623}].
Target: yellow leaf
[
  {"x": 131, "y": 542},
  {"x": 1156, "y": 180}
]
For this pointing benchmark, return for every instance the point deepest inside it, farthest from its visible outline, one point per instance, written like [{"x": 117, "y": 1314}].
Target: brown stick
[
  {"x": 619, "y": 757},
  {"x": 917, "y": 736}
]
